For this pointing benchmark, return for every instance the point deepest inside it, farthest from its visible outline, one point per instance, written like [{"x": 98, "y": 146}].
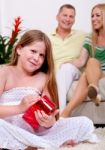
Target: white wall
[{"x": 41, "y": 14}]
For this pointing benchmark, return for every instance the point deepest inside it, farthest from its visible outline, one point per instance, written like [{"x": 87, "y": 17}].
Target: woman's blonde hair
[
  {"x": 95, "y": 33},
  {"x": 48, "y": 65}
]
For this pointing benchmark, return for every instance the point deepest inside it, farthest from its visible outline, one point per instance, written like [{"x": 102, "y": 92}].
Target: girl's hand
[
  {"x": 28, "y": 101},
  {"x": 45, "y": 120}
]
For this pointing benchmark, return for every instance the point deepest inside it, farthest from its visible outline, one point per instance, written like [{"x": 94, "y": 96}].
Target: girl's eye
[
  {"x": 42, "y": 55},
  {"x": 65, "y": 15},
  {"x": 33, "y": 51}
]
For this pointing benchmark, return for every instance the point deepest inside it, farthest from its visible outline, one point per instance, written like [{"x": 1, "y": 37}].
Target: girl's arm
[
  {"x": 6, "y": 111},
  {"x": 46, "y": 120},
  {"x": 10, "y": 110},
  {"x": 14, "y": 109}
]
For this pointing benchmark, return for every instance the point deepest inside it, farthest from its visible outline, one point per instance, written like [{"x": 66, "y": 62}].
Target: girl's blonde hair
[
  {"x": 48, "y": 65},
  {"x": 95, "y": 33}
]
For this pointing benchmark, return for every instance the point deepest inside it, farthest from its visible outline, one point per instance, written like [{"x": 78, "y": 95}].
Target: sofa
[{"x": 88, "y": 108}]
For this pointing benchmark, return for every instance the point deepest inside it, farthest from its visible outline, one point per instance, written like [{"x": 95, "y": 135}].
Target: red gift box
[{"x": 44, "y": 104}]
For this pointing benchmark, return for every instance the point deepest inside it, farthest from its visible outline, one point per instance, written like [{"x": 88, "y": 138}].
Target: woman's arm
[{"x": 82, "y": 60}]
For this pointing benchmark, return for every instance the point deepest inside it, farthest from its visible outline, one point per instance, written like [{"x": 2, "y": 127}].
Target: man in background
[{"x": 67, "y": 44}]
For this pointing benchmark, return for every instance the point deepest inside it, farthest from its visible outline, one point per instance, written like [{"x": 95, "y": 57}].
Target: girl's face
[
  {"x": 32, "y": 57},
  {"x": 97, "y": 19}
]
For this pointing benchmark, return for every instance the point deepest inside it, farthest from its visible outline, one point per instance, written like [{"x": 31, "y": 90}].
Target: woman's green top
[{"x": 99, "y": 52}]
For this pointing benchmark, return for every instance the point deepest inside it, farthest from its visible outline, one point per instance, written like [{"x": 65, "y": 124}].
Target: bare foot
[
  {"x": 31, "y": 148},
  {"x": 69, "y": 143}
]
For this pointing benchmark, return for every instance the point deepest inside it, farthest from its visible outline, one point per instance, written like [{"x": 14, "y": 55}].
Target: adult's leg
[
  {"x": 65, "y": 76},
  {"x": 93, "y": 71},
  {"x": 79, "y": 96},
  {"x": 94, "y": 74}
]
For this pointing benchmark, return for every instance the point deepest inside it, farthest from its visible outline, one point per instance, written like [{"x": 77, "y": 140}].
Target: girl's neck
[{"x": 22, "y": 72}]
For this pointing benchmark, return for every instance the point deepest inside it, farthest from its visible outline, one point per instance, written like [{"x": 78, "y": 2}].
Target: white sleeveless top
[
  {"x": 14, "y": 96},
  {"x": 16, "y": 134}
]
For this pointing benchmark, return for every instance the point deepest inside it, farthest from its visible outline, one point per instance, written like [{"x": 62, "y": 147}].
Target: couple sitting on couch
[{"x": 68, "y": 58}]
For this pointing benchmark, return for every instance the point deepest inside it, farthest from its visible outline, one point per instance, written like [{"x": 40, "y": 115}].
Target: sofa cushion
[
  {"x": 102, "y": 88},
  {"x": 89, "y": 109}
]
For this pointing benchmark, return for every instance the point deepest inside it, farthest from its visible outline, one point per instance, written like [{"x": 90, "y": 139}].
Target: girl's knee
[
  {"x": 87, "y": 122},
  {"x": 1, "y": 122}
]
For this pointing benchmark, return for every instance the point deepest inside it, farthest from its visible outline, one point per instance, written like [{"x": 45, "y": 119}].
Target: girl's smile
[{"x": 32, "y": 56}]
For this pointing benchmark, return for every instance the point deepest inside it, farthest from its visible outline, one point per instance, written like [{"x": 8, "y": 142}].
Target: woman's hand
[
  {"x": 45, "y": 120},
  {"x": 28, "y": 101}
]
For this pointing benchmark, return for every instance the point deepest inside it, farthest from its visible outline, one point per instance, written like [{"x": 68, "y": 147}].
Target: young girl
[{"x": 30, "y": 75}]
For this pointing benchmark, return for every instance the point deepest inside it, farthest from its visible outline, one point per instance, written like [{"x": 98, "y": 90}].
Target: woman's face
[
  {"x": 32, "y": 57},
  {"x": 97, "y": 18}
]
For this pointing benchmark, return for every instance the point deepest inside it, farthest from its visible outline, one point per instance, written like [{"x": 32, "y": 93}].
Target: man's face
[{"x": 66, "y": 18}]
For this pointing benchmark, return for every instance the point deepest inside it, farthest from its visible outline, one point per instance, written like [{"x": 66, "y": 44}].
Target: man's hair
[{"x": 69, "y": 6}]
